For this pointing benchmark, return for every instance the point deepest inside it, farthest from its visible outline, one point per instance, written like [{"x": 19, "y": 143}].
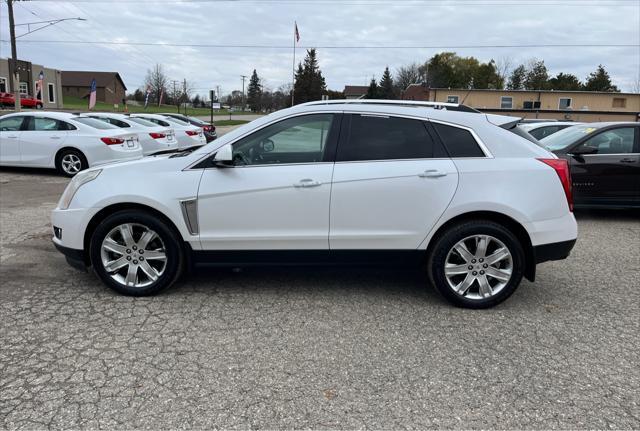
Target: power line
[{"x": 262, "y": 46}]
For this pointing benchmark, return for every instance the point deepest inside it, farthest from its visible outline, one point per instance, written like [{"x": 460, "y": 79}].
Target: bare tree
[
  {"x": 635, "y": 86},
  {"x": 503, "y": 68},
  {"x": 156, "y": 81},
  {"x": 406, "y": 75}
]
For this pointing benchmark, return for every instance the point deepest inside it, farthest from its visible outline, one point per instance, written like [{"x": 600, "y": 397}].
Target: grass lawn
[
  {"x": 81, "y": 105},
  {"x": 229, "y": 122}
]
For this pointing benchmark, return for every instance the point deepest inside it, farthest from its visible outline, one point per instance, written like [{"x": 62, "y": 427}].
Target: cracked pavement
[{"x": 313, "y": 348}]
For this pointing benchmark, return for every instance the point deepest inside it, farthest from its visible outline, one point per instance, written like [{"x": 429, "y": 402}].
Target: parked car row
[
  {"x": 604, "y": 159},
  {"x": 26, "y": 101},
  {"x": 74, "y": 142}
]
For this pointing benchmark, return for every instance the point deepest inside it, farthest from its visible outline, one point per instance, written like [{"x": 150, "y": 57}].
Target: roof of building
[
  {"x": 78, "y": 78},
  {"x": 355, "y": 90}
]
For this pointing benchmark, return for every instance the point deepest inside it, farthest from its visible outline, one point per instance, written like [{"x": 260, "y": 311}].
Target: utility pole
[
  {"x": 174, "y": 94},
  {"x": 243, "y": 78},
  {"x": 14, "y": 77},
  {"x": 184, "y": 94}
]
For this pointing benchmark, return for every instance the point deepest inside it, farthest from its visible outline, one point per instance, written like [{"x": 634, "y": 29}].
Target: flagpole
[{"x": 293, "y": 68}]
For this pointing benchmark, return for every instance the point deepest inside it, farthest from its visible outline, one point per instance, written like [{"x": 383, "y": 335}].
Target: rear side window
[
  {"x": 63, "y": 125},
  {"x": 458, "y": 142},
  {"x": 385, "y": 138}
]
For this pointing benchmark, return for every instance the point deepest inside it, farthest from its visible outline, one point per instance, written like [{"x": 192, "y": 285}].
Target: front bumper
[{"x": 75, "y": 258}]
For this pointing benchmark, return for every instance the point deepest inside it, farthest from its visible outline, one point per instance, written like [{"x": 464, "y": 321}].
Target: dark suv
[
  {"x": 604, "y": 159},
  {"x": 209, "y": 129}
]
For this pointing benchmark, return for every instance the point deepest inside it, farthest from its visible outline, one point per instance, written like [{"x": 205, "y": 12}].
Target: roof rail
[{"x": 434, "y": 105}]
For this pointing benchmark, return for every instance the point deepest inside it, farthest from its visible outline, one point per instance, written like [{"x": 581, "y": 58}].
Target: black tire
[
  {"x": 169, "y": 237},
  {"x": 70, "y": 153},
  {"x": 446, "y": 241}
]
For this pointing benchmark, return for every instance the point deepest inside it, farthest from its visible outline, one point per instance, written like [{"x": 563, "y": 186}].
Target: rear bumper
[
  {"x": 553, "y": 251},
  {"x": 74, "y": 257}
]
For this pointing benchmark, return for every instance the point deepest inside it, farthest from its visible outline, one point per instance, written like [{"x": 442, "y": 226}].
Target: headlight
[{"x": 81, "y": 178}]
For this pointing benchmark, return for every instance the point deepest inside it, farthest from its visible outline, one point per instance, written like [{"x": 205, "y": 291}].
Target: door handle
[
  {"x": 12, "y": 137},
  {"x": 307, "y": 182},
  {"x": 432, "y": 173},
  {"x": 628, "y": 160},
  {"x": 54, "y": 137}
]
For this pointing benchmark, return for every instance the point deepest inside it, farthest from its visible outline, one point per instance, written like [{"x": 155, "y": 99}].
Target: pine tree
[
  {"x": 516, "y": 80},
  {"x": 566, "y": 82},
  {"x": 373, "y": 91},
  {"x": 600, "y": 81},
  {"x": 310, "y": 84},
  {"x": 537, "y": 77},
  {"x": 387, "y": 90},
  {"x": 254, "y": 92}
]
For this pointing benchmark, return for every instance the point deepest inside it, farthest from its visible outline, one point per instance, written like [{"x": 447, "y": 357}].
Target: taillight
[
  {"x": 112, "y": 141},
  {"x": 191, "y": 132},
  {"x": 561, "y": 166},
  {"x": 158, "y": 135},
  {"x": 208, "y": 128}
]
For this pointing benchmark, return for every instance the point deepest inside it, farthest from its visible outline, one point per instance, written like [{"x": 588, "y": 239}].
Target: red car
[{"x": 26, "y": 101}]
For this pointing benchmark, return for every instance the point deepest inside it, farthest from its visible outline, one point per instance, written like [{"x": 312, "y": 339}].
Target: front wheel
[
  {"x": 476, "y": 264},
  {"x": 135, "y": 253}
]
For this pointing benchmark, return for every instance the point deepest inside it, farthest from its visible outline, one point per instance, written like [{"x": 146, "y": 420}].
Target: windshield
[
  {"x": 96, "y": 124},
  {"x": 566, "y": 137},
  {"x": 142, "y": 122}
]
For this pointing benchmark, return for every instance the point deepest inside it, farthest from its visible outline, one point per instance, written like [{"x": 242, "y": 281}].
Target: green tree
[
  {"x": 537, "y": 76},
  {"x": 448, "y": 70},
  {"x": 516, "y": 80},
  {"x": 309, "y": 83},
  {"x": 565, "y": 82},
  {"x": 600, "y": 81},
  {"x": 254, "y": 92},
  {"x": 387, "y": 90},
  {"x": 373, "y": 91}
]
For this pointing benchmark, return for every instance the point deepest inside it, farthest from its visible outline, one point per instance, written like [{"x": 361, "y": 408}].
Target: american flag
[
  {"x": 92, "y": 94},
  {"x": 297, "y": 32}
]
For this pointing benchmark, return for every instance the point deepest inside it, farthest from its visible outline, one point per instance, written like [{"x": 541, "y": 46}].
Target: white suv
[{"x": 374, "y": 182}]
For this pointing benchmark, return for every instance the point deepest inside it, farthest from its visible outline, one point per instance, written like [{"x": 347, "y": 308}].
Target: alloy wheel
[
  {"x": 71, "y": 164},
  {"x": 478, "y": 267},
  {"x": 133, "y": 255}
]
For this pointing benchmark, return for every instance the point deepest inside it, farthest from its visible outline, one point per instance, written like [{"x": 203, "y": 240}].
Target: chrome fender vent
[{"x": 190, "y": 214}]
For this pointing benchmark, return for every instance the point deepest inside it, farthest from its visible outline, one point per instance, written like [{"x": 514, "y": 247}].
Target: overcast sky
[{"x": 324, "y": 23}]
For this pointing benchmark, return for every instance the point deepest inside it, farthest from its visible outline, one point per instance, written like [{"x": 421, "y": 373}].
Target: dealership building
[
  {"x": 29, "y": 74},
  {"x": 586, "y": 106}
]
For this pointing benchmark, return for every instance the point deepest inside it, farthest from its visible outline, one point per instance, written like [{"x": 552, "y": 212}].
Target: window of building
[
  {"x": 24, "y": 88},
  {"x": 506, "y": 102},
  {"x": 619, "y": 102},
  {"x": 453, "y": 99},
  {"x": 51, "y": 93},
  {"x": 386, "y": 138},
  {"x": 3, "y": 84},
  {"x": 564, "y": 103},
  {"x": 458, "y": 142}
]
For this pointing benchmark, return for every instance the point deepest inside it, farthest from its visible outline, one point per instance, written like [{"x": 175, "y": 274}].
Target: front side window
[
  {"x": 506, "y": 102},
  {"x": 11, "y": 124},
  {"x": 458, "y": 142},
  {"x": 615, "y": 141},
  {"x": 452, "y": 99},
  {"x": 564, "y": 103},
  {"x": 294, "y": 140},
  {"x": 386, "y": 138}
]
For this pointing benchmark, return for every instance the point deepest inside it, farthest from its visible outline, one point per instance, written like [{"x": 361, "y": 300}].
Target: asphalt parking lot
[{"x": 320, "y": 348}]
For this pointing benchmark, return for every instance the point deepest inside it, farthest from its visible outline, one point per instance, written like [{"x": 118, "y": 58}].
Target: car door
[
  {"x": 608, "y": 167},
  {"x": 41, "y": 140},
  {"x": 391, "y": 183},
  {"x": 10, "y": 135},
  {"x": 276, "y": 195}
]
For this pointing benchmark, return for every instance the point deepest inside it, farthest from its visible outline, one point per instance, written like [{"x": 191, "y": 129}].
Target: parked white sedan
[
  {"x": 67, "y": 142},
  {"x": 153, "y": 138},
  {"x": 188, "y": 136}
]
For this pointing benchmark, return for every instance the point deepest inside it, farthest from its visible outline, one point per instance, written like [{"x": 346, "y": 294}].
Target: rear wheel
[
  {"x": 70, "y": 162},
  {"x": 135, "y": 253},
  {"x": 476, "y": 264}
]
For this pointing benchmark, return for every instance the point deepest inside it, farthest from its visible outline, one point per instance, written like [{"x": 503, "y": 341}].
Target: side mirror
[
  {"x": 224, "y": 157},
  {"x": 583, "y": 149}
]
